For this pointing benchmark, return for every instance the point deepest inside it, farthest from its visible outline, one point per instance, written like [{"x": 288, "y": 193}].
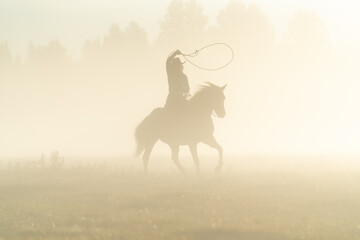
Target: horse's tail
[{"x": 146, "y": 131}]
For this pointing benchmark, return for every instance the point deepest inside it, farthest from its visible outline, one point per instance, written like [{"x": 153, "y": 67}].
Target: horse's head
[
  {"x": 210, "y": 99},
  {"x": 218, "y": 101}
]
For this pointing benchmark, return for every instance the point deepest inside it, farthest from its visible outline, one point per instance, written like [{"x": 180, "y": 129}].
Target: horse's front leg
[
  {"x": 214, "y": 144},
  {"x": 175, "y": 158},
  {"x": 146, "y": 156},
  {"x": 193, "y": 150}
]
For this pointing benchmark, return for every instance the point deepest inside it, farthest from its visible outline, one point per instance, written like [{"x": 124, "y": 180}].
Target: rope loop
[{"x": 194, "y": 54}]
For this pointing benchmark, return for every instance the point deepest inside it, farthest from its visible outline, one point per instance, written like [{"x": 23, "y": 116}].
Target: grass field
[{"x": 253, "y": 198}]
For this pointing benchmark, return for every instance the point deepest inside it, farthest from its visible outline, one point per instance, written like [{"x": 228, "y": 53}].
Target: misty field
[{"x": 253, "y": 198}]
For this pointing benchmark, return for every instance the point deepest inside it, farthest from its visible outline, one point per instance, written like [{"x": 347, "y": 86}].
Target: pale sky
[{"x": 73, "y": 22}]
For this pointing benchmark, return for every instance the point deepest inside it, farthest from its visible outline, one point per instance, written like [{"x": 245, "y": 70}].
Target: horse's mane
[{"x": 205, "y": 91}]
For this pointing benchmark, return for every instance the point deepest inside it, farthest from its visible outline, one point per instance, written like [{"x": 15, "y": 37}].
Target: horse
[{"x": 189, "y": 126}]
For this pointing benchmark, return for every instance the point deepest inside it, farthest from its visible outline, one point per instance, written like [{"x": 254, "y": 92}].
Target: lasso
[{"x": 194, "y": 54}]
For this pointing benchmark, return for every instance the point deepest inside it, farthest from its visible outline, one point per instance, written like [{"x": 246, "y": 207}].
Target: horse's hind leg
[
  {"x": 193, "y": 150},
  {"x": 214, "y": 144},
  {"x": 146, "y": 156},
  {"x": 175, "y": 158}
]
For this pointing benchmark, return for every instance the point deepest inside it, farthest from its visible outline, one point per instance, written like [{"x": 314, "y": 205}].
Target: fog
[
  {"x": 292, "y": 87},
  {"x": 79, "y": 81}
]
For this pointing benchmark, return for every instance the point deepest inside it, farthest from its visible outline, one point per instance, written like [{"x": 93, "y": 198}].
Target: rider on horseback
[{"x": 178, "y": 82}]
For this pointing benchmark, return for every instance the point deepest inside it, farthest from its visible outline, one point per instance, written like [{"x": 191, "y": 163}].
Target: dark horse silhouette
[{"x": 189, "y": 125}]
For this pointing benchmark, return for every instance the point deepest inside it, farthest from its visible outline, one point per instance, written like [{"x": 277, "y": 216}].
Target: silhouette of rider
[{"x": 178, "y": 83}]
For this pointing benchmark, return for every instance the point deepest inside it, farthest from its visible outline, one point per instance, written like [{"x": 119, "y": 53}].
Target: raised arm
[{"x": 171, "y": 58}]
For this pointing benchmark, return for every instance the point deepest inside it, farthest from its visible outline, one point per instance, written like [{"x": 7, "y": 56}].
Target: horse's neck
[{"x": 199, "y": 109}]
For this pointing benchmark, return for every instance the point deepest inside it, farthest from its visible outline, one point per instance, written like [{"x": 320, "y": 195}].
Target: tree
[
  {"x": 114, "y": 42},
  {"x": 183, "y": 26},
  {"x": 247, "y": 29},
  {"x": 137, "y": 45},
  {"x": 92, "y": 51},
  {"x": 51, "y": 54},
  {"x": 306, "y": 38},
  {"x": 136, "y": 36},
  {"x": 122, "y": 47},
  {"x": 5, "y": 56}
]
